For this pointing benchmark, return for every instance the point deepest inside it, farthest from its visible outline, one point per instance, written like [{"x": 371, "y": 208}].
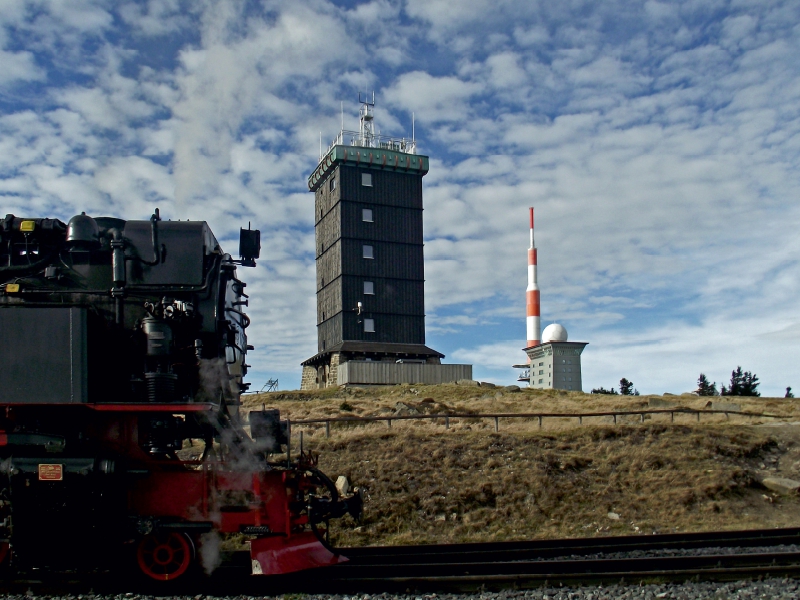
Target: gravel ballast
[{"x": 774, "y": 589}]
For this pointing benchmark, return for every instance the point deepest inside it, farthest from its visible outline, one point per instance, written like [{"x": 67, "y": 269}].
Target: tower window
[
  {"x": 369, "y": 325},
  {"x": 366, "y": 179},
  {"x": 366, "y": 215},
  {"x": 333, "y": 183},
  {"x": 368, "y": 252},
  {"x": 369, "y": 287}
]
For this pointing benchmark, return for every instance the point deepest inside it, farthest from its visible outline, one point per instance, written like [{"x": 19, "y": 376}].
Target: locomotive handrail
[{"x": 538, "y": 415}]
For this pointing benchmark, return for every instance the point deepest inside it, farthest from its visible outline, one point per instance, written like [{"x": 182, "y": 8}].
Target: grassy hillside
[{"x": 427, "y": 484}]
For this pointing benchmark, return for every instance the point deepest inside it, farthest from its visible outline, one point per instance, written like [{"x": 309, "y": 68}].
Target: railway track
[{"x": 717, "y": 556}]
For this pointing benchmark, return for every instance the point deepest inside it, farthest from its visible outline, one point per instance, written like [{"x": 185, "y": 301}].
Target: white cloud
[
  {"x": 433, "y": 98},
  {"x": 19, "y": 66}
]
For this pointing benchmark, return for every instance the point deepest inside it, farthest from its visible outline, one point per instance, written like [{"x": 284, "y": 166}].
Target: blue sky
[{"x": 658, "y": 141}]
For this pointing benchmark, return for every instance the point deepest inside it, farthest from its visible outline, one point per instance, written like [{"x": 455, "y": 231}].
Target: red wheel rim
[{"x": 164, "y": 556}]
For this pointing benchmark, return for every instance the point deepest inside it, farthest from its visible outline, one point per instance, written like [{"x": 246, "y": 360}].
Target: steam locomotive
[{"x": 123, "y": 346}]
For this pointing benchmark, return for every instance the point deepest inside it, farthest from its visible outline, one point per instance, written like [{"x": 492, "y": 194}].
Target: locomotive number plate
[{"x": 51, "y": 472}]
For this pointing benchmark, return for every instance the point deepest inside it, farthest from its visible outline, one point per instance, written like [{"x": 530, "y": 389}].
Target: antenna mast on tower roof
[
  {"x": 366, "y": 137},
  {"x": 366, "y": 120}
]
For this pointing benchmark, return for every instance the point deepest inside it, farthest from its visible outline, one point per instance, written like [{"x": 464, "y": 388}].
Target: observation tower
[{"x": 369, "y": 262}]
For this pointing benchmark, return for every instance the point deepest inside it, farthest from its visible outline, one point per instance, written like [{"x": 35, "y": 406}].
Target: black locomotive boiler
[{"x": 123, "y": 347}]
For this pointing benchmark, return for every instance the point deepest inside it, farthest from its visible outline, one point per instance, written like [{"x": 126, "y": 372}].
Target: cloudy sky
[{"x": 658, "y": 141}]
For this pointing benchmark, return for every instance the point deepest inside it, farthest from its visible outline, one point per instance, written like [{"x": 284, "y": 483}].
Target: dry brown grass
[
  {"x": 425, "y": 484},
  {"x": 455, "y": 398}
]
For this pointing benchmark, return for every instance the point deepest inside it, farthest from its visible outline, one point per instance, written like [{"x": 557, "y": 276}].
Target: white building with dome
[{"x": 556, "y": 362}]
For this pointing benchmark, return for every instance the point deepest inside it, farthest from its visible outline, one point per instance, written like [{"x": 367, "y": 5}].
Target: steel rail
[
  {"x": 565, "y": 566},
  {"x": 575, "y": 546}
]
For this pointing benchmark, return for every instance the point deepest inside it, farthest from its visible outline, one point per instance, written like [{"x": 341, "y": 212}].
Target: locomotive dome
[{"x": 554, "y": 333}]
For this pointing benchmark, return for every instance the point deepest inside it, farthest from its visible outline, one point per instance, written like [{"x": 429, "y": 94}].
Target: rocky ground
[{"x": 774, "y": 589}]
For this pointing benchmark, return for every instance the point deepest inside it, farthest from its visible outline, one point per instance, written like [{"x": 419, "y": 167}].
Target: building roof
[
  {"x": 548, "y": 348},
  {"x": 357, "y": 347},
  {"x": 373, "y": 158}
]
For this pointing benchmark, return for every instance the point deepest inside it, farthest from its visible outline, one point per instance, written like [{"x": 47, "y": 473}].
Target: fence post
[
  {"x": 327, "y": 429},
  {"x": 580, "y": 420},
  {"x": 726, "y": 415},
  {"x": 540, "y": 421},
  {"x": 698, "y": 416},
  {"x": 447, "y": 422},
  {"x": 288, "y": 443},
  {"x": 672, "y": 417},
  {"x": 642, "y": 415},
  {"x": 389, "y": 421},
  {"x": 497, "y": 424},
  {"x": 615, "y": 419}
]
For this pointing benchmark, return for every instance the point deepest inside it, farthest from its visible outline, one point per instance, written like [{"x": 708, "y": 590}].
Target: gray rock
[
  {"x": 781, "y": 485},
  {"x": 511, "y": 388},
  {"x": 471, "y": 382},
  {"x": 659, "y": 403},
  {"x": 486, "y": 384},
  {"x": 726, "y": 406},
  {"x": 402, "y": 409}
]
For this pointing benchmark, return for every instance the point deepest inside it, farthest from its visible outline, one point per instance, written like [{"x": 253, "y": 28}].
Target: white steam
[
  {"x": 210, "y": 558},
  {"x": 215, "y": 381}
]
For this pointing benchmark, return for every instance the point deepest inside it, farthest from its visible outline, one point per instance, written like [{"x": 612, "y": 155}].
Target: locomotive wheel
[{"x": 165, "y": 556}]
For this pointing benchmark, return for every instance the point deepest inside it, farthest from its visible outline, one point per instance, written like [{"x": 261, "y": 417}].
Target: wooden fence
[{"x": 540, "y": 416}]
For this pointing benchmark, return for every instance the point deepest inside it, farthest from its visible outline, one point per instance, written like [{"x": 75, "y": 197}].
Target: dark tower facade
[{"x": 369, "y": 255}]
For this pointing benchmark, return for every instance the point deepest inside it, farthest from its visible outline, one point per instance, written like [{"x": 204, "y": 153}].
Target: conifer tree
[
  {"x": 704, "y": 388},
  {"x": 743, "y": 383},
  {"x": 602, "y": 390},
  {"x": 626, "y": 388}
]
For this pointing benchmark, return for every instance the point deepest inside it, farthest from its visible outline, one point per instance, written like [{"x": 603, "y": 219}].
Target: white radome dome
[{"x": 554, "y": 333}]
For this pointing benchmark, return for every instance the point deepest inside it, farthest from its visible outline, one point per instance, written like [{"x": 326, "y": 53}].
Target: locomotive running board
[{"x": 278, "y": 555}]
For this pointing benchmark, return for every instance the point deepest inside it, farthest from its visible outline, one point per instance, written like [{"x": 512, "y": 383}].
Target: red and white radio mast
[{"x": 532, "y": 297}]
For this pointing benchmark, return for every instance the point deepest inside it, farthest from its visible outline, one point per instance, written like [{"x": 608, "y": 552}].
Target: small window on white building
[
  {"x": 366, "y": 215},
  {"x": 368, "y": 252},
  {"x": 369, "y": 325},
  {"x": 541, "y": 371},
  {"x": 540, "y": 381},
  {"x": 366, "y": 179},
  {"x": 369, "y": 288},
  {"x": 541, "y": 364}
]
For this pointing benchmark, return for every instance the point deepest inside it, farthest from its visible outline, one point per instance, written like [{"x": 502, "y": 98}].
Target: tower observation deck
[{"x": 369, "y": 263}]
